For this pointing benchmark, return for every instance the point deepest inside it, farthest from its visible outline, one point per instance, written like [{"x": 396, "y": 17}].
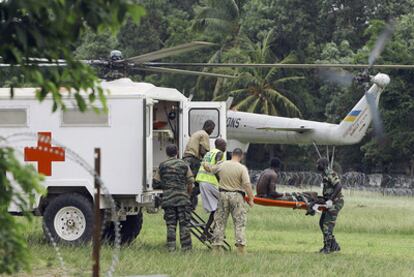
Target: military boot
[
  {"x": 171, "y": 246},
  {"x": 327, "y": 246},
  {"x": 241, "y": 250},
  {"x": 335, "y": 246}
]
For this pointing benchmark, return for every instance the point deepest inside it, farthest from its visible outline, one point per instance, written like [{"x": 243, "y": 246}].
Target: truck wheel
[
  {"x": 69, "y": 219},
  {"x": 129, "y": 229}
]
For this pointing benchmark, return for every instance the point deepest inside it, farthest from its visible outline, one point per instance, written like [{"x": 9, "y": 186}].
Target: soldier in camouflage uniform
[
  {"x": 334, "y": 203},
  {"x": 174, "y": 177}
]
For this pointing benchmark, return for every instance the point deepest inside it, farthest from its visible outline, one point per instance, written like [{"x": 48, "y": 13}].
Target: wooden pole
[{"x": 97, "y": 227}]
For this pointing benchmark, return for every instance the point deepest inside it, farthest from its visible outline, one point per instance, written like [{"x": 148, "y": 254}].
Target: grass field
[{"x": 376, "y": 234}]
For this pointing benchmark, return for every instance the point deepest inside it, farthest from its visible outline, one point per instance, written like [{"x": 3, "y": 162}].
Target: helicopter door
[{"x": 194, "y": 116}]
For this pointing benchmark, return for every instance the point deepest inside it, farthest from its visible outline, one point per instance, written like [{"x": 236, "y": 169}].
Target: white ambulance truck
[{"x": 142, "y": 119}]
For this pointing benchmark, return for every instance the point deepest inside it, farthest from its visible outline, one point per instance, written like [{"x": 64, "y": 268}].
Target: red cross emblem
[{"x": 44, "y": 153}]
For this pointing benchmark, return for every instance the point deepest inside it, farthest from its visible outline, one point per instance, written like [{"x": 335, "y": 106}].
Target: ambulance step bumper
[{"x": 149, "y": 198}]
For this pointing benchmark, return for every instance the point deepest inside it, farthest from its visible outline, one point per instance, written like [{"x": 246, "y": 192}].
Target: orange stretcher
[{"x": 284, "y": 203}]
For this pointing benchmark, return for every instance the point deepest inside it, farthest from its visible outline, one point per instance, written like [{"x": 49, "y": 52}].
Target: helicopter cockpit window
[{"x": 197, "y": 117}]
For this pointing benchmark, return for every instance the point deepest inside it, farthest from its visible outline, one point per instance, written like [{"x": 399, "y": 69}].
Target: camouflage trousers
[
  {"x": 178, "y": 215},
  {"x": 328, "y": 219},
  {"x": 194, "y": 165},
  {"x": 230, "y": 203}
]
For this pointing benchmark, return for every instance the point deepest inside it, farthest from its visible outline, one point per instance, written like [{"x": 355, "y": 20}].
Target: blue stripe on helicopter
[{"x": 352, "y": 116}]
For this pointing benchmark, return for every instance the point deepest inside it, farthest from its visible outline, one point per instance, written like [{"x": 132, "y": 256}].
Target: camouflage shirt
[
  {"x": 173, "y": 177},
  {"x": 329, "y": 180}
]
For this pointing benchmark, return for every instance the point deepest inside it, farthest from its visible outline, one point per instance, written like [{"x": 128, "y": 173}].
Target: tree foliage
[
  {"x": 218, "y": 19},
  {"x": 13, "y": 247},
  {"x": 49, "y": 30}
]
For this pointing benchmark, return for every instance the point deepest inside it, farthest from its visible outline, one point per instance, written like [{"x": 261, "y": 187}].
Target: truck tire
[
  {"x": 129, "y": 229},
  {"x": 69, "y": 219}
]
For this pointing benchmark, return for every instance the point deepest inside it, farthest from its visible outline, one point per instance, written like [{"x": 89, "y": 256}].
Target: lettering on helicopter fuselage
[
  {"x": 233, "y": 122},
  {"x": 359, "y": 124}
]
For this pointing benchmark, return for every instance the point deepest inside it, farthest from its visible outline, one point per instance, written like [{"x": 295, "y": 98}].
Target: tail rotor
[{"x": 346, "y": 79}]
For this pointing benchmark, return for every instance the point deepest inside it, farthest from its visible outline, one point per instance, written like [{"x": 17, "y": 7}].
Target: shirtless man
[{"x": 266, "y": 185}]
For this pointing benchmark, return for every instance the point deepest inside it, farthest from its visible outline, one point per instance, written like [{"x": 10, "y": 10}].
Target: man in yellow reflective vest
[{"x": 208, "y": 181}]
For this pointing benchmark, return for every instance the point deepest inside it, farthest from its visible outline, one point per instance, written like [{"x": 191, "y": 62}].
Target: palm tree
[
  {"x": 257, "y": 90},
  {"x": 219, "y": 21}
]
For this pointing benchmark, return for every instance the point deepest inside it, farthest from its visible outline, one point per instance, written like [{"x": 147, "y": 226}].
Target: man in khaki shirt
[
  {"x": 199, "y": 144},
  {"x": 234, "y": 183},
  {"x": 197, "y": 147}
]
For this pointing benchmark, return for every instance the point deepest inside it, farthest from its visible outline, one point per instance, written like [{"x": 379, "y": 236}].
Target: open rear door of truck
[
  {"x": 148, "y": 104},
  {"x": 194, "y": 116}
]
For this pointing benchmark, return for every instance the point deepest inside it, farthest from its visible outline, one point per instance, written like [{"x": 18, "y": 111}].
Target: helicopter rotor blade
[
  {"x": 376, "y": 117},
  {"x": 42, "y": 62},
  {"x": 183, "y": 71},
  {"x": 379, "y": 46},
  {"x": 281, "y": 65},
  {"x": 168, "y": 52},
  {"x": 337, "y": 76},
  {"x": 34, "y": 64}
]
